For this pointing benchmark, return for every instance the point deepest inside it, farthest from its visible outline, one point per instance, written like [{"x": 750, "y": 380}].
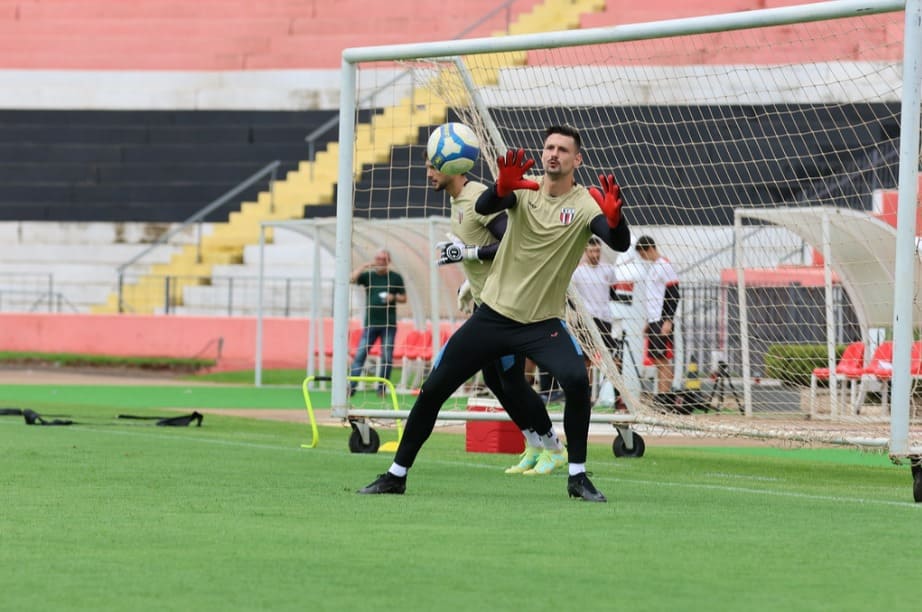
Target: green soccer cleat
[
  {"x": 527, "y": 460},
  {"x": 548, "y": 461}
]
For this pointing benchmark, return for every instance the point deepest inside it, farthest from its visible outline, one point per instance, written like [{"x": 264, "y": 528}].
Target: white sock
[
  {"x": 550, "y": 441},
  {"x": 532, "y": 438},
  {"x": 398, "y": 470},
  {"x": 577, "y": 468}
]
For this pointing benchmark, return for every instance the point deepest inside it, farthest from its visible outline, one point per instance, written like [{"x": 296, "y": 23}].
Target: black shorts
[
  {"x": 605, "y": 330},
  {"x": 658, "y": 344}
]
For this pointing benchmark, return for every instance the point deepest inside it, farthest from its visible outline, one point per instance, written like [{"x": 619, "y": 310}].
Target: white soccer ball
[{"x": 453, "y": 148}]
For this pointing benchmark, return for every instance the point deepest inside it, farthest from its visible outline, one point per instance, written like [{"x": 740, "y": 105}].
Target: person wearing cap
[{"x": 660, "y": 301}]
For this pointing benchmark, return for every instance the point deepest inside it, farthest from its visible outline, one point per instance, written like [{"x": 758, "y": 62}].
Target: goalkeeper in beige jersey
[
  {"x": 524, "y": 297},
  {"x": 475, "y": 238}
]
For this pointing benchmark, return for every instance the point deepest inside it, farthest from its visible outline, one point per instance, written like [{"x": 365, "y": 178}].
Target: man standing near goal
[
  {"x": 594, "y": 282},
  {"x": 384, "y": 289},
  {"x": 660, "y": 302},
  {"x": 475, "y": 241},
  {"x": 524, "y": 298}
]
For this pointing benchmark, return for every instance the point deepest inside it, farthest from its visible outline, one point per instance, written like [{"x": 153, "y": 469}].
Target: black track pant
[
  {"x": 505, "y": 377},
  {"x": 484, "y": 338}
]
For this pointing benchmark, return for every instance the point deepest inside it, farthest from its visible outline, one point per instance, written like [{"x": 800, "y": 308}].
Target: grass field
[{"x": 235, "y": 515}]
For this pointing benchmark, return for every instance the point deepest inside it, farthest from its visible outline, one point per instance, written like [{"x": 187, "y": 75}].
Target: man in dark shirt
[{"x": 384, "y": 289}]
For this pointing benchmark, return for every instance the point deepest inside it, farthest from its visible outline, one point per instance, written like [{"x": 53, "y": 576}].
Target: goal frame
[{"x": 836, "y": 9}]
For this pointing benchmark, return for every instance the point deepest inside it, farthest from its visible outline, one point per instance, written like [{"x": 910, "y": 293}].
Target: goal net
[{"x": 763, "y": 161}]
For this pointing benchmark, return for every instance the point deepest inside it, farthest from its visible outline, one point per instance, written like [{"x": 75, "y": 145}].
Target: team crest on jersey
[{"x": 567, "y": 215}]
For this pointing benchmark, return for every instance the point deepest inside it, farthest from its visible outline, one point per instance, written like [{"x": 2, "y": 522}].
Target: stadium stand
[
  {"x": 105, "y": 167},
  {"x": 229, "y": 34},
  {"x": 150, "y": 166}
]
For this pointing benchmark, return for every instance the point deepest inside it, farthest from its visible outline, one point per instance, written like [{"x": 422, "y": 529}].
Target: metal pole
[
  {"x": 744, "y": 319},
  {"x": 315, "y": 349},
  {"x": 230, "y": 296},
  {"x": 830, "y": 322},
  {"x": 258, "y": 360},
  {"x": 343, "y": 239},
  {"x": 434, "y": 311},
  {"x": 121, "y": 291},
  {"x": 906, "y": 258},
  {"x": 166, "y": 295}
]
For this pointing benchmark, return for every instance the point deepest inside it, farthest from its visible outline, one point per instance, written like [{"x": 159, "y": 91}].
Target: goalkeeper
[
  {"x": 523, "y": 299},
  {"x": 475, "y": 238}
]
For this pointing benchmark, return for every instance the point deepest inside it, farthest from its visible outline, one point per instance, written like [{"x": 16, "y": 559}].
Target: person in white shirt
[
  {"x": 660, "y": 302},
  {"x": 594, "y": 280}
]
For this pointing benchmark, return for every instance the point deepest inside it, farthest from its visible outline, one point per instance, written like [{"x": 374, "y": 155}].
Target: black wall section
[
  {"x": 677, "y": 164},
  {"x": 141, "y": 165},
  {"x": 686, "y": 165}
]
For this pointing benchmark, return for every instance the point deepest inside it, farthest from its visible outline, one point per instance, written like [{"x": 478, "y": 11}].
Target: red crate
[{"x": 491, "y": 436}]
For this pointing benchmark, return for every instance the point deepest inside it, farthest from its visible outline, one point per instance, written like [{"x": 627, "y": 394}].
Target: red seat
[
  {"x": 850, "y": 367},
  {"x": 355, "y": 336},
  {"x": 879, "y": 369},
  {"x": 404, "y": 329},
  {"x": 881, "y": 364},
  {"x": 883, "y": 371},
  {"x": 851, "y": 363},
  {"x": 422, "y": 351},
  {"x": 417, "y": 355}
]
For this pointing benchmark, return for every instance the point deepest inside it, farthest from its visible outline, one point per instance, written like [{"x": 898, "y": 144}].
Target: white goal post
[{"x": 703, "y": 121}]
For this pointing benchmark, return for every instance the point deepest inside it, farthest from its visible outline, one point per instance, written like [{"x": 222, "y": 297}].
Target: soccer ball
[{"x": 453, "y": 148}]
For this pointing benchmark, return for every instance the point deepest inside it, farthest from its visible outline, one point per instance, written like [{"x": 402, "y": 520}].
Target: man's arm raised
[
  {"x": 512, "y": 169},
  {"x": 610, "y": 226}
]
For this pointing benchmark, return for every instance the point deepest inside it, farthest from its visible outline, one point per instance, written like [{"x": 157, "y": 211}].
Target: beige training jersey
[
  {"x": 471, "y": 227},
  {"x": 543, "y": 244}
]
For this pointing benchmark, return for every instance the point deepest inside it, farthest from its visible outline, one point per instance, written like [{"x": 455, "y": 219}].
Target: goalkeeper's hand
[
  {"x": 610, "y": 202},
  {"x": 454, "y": 251},
  {"x": 465, "y": 298},
  {"x": 512, "y": 169}
]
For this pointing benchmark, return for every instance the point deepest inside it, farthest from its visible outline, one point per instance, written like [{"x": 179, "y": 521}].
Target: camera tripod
[{"x": 722, "y": 382}]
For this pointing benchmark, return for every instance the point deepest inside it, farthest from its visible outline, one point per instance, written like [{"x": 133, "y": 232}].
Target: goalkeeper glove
[
  {"x": 455, "y": 251},
  {"x": 611, "y": 201},
  {"x": 465, "y": 298},
  {"x": 512, "y": 169}
]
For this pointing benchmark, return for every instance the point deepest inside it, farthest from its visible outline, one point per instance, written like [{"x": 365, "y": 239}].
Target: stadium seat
[
  {"x": 417, "y": 358},
  {"x": 876, "y": 370},
  {"x": 882, "y": 371},
  {"x": 848, "y": 369}
]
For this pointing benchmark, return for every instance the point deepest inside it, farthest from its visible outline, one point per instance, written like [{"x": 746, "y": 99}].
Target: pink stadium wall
[
  {"x": 285, "y": 341},
  {"x": 224, "y": 34}
]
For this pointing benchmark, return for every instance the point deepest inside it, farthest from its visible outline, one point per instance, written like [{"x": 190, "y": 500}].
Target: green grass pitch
[{"x": 235, "y": 515}]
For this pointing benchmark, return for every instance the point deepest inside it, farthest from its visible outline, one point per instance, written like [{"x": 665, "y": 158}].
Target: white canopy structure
[{"x": 859, "y": 247}]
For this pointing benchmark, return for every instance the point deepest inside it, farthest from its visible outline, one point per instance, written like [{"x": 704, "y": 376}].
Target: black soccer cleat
[
  {"x": 580, "y": 486},
  {"x": 386, "y": 484}
]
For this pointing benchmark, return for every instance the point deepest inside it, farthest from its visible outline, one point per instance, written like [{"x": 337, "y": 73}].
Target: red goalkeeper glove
[
  {"x": 610, "y": 202},
  {"x": 512, "y": 169}
]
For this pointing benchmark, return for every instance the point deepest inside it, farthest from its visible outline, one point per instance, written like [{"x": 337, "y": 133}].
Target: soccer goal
[{"x": 763, "y": 152}]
